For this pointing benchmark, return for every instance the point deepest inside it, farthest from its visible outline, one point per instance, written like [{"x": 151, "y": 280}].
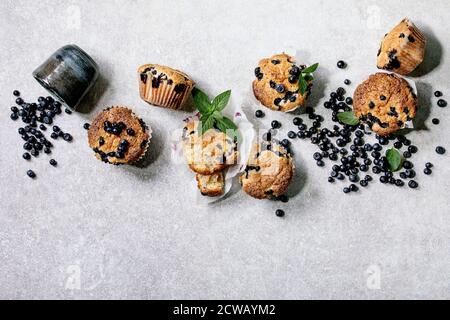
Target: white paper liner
[{"x": 247, "y": 133}]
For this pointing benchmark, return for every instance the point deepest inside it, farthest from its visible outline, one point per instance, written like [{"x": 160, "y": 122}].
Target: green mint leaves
[
  {"x": 211, "y": 112},
  {"x": 305, "y": 77},
  {"x": 395, "y": 159},
  {"x": 348, "y": 117}
]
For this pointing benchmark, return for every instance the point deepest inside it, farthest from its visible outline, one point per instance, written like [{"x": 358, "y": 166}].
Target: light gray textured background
[{"x": 89, "y": 230}]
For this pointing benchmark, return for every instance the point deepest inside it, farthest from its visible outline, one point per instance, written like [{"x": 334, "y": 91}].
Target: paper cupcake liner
[
  {"x": 165, "y": 95},
  {"x": 147, "y": 129}
]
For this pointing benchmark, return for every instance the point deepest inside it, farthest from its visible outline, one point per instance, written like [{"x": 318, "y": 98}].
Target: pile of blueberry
[
  {"x": 354, "y": 158},
  {"x": 36, "y": 117}
]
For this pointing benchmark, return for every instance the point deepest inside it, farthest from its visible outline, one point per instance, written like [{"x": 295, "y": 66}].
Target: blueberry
[
  {"x": 341, "y": 64},
  {"x": 31, "y": 174},
  {"x": 398, "y": 145},
  {"x": 285, "y": 143},
  {"x": 56, "y": 129},
  {"x": 427, "y": 171},
  {"x": 86, "y": 126},
  {"x": 54, "y": 135},
  {"x": 292, "y": 135},
  {"x": 19, "y": 101},
  {"x": 438, "y": 94},
  {"x": 364, "y": 183},
  {"x": 412, "y": 149},
  {"x": 26, "y": 156},
  {"x": 428, "y": 165},
  {"x": 384, "y": 179},
  {"x": 413, "y": 184},
  {"x": 349, "y": 101},
  {"x": 47, "y": 150},
  {"x": 67, "y": 137},
  {"x": 53, "y": 162},
  {"x": 330, "y": 179},
  {"x": 279, "y": 213},
  {"x": 14, "y": 116},
  {"x": 406, "y": 154},
  {"x": 317, "y": 156},
  {"x": 347, "y": 82},
  {"x": 259, "y": 114},
  {"x": 42, "y": 127},
  {"x": 440, "y": 150},
  {"x": 435, "y": 121},
  {"x": 320, "y": 163},
  {"x": 275, "y": 124},
  {"x": 382, "y": 97},
  {"x": 297, "y": 121},
  {"x": 280, "y": 88},
  {"x": 302, "y": 127},
  {"x": 346, "y": 190},
  {"x": 16, "y": 93},
  {"x": 442, "y": 103},
  {"x": 407, "y": 164},
  {"x": 353, "y": 187}
]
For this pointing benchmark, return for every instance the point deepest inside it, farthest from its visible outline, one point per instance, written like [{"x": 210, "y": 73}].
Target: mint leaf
[
  {"x": 311, "y": 69},
  {"x": 229, "y": 123},
  {"x": 302, "y": 85},
  {"x": 348, "y": 117},
  {"x": 207, "y": 123},
  {"x": 394, "y": 158},
  {"x": 220, "y": 102},
  {"x": 201, "y": 101},
  {"x": 228, "y": 127}
]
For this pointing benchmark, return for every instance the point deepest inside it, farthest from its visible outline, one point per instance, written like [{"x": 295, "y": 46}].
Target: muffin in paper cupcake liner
[
  {"x": 164, "y": 87},
  {"x": 402, "y": 49},
  {"x": 118, "y": 136}
]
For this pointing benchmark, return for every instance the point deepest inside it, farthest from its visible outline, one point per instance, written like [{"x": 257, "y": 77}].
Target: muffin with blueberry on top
[
  {"x": 118, "y": 136},
  {"x": 402, "y": 49},
  {"x": 269, "y": 171},
  {"x": 163, "y": 86},
  {"x": 277, "y": 85},
  {"x": 210, "y": 152},
  {"x": 385, "y": 102}
]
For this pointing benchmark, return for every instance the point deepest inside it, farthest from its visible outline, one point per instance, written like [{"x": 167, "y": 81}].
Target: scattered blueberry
[
  {"x": 442, "y": 103},
  {"x": 435, "y": 121},
  {"x": 279, "y": 213},
  {"x": 53, "y": 162},
  {"x": 440, "y": 150},
  {"x": 259, "y": 114},
  {"x": 86, "y": 126},
  {"x": 341, "y": 64},
  {"x": 31, "y": 174},
  {"x": 438, "y": 94}
]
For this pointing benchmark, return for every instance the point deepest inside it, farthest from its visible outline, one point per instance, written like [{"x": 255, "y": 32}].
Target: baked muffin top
[
  {"x": 118, "y": 136},
  {"x": 269, "y": 171},
  {"x": 211, "y": 152},
  {"x": 277, "y": 83},
  {"x": 385, "y": 102},
  {"x": 157, "y": 74}
]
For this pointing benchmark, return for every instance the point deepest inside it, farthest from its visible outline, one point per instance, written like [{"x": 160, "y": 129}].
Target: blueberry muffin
[
  {"x": 402, "y": 49},
  {"x": 385, "y": 102},
  {"x": 211, "y": 185},
  {"x": 277, "y": 83},
  {"x": 118, "y": 136},
  {"x": 163, "y": 86},
  {"x": 269, "y": 171},
  {"x": 210, "y": 152}
]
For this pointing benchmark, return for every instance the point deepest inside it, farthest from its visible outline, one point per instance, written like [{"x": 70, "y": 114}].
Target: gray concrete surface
[{"x": 87, "y": 230}]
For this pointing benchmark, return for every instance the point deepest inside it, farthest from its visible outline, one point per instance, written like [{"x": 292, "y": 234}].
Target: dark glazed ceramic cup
[{"x": 68, "y": 74}]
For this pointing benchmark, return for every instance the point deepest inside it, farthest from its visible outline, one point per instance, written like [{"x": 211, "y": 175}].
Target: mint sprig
[
  {"x": 306, "y": 77},
  {"x": 348, "y": 117},
  {"x": 395, "y": 159},
  {"x": 211, "y": 112}
]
